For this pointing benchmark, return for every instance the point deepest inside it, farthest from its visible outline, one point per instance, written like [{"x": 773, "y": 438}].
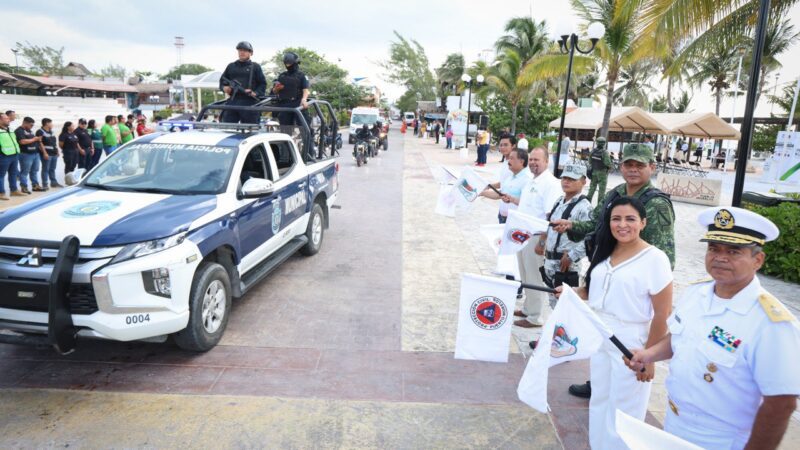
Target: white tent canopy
[
  {"x": 623, "y": 118},
  {"x": 208, "y": 80},
  {"x": 633, "y": 119},
  {"x": 697, "y": 125}
]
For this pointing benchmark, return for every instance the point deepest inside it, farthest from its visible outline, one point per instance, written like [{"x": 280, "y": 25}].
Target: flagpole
[{"x": 538, "y": 288}]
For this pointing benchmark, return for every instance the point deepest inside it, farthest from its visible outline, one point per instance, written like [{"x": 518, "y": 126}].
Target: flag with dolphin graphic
[{"x": 572, "y": 332}]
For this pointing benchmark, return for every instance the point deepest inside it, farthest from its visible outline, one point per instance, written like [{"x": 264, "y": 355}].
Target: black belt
[{"x": 553, "y": 255}]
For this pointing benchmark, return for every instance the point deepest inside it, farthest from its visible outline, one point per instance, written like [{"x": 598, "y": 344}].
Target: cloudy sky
[{"x": 140, "y": 36}]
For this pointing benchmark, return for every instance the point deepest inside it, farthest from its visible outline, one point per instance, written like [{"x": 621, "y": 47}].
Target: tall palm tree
[
  {"x": 634, "y": 84},
  {"x": 618, "y": 47},
  {"x": 780, "y": 36},
  {"x": 525, "y": 37},
  {"x": 716, "y": 68},
  {"x": 504, "y": 79},
  {"x": 588, "y": 86},
  {"x": 449, "y": 75}
]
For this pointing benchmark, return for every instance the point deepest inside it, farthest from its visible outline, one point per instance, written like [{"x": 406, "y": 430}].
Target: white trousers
[
  {"x": 529, "y": 263},
  {"x": 699, "y": 430},
  {"x": 614, "y": 386}
]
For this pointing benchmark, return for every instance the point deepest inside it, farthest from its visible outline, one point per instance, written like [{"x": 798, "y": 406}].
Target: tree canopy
[
  {"x": 42, "y": 59},
  {"x": 408, "y": 66}
]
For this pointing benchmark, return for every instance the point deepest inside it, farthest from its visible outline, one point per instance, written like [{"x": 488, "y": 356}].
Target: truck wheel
[
  {"x": 209, "y": 308},
  {"x": 315, "y": 231}
]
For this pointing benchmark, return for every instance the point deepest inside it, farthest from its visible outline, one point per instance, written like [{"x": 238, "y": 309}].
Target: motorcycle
[
  {"x": 384, "y": 140},
  {"x": 361, "y": 151},
  {"x": 373, "y": 146}
]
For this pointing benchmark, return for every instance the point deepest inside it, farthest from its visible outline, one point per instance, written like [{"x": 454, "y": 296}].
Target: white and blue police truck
[{"x": 159, "y": 238}]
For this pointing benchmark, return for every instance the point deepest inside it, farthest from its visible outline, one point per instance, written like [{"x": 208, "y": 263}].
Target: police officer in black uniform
[
  {"x": 244, "y": 81},
  {"x": 292, "y": 89}
]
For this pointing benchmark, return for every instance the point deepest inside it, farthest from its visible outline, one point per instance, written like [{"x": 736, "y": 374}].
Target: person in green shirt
[
  {"x": 125, "y": 132},
  {"x": 109, "y": 135},
  {"x": 97, "y": 141}
]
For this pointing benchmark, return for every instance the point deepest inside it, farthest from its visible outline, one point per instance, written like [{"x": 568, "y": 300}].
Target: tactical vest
[
  {"x": 597, "y": 160},
  {"x": 292, "y": 82},
  {"x": 8, "y": 143}
]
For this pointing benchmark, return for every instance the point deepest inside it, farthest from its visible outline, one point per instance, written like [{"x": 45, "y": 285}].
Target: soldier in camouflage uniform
[
  {"x": 599, "y": 163},
  {"x": 638, "y": 166}
]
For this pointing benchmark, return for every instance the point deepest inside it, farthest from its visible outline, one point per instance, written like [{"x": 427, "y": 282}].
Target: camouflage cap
[
  {"x": 601, "y": 139},
  {"x": 638, "y": 152}
]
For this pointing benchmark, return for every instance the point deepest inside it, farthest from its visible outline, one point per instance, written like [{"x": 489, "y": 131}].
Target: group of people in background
[{"x": 29, "y": 157}]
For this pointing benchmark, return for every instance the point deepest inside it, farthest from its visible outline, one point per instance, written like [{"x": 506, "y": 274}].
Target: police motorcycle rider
[
  {"x": 244, "y": 82},
  {"x": 363, "y": 136},
  {"x": 375, "y": 140},
  {"x": 292, "y": 89}
]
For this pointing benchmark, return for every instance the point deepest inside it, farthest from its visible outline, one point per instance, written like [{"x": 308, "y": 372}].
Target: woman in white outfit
[{"x": 629, "y": 285}]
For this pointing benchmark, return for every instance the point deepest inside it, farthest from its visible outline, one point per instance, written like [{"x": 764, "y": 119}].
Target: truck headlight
[{"x": 140, "y": 249}]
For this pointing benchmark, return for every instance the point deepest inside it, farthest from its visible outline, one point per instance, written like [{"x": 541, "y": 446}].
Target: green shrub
[
  {"x": 783, "y": 254},
  {"x": 343, "y": 118}
]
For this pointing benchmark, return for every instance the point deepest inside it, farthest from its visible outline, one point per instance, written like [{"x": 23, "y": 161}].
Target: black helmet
[
  {"x": 364, "y": 127},
  {"x": 291, "y": 58},
  {"x": 244, "y": 45}
]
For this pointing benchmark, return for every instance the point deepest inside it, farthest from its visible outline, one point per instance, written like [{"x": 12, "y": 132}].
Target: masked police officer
[
  {"x": 292, "y": 88},
  {"x": 243, "y": 81},
  {"x": 733, "y": 346}
]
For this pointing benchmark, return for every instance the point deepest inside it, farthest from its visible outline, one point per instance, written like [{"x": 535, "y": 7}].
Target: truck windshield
[
  {"x": 361, "y": 119},
  {"x": 165, "y": 168}
]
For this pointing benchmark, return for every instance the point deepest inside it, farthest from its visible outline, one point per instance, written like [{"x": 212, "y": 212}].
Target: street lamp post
[
  {"x": 743, "y": 151},
  {"x": 16, "y": 64},
  {"x": 774, "y": 91},
  {"x": 568, "y": 43},
  {"x": 468, "y": 80}
]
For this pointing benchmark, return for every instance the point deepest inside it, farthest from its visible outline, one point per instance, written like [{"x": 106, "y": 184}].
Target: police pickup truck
[{"x": 158, "y": 238}]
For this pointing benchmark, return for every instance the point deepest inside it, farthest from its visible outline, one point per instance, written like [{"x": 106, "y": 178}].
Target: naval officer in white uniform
[{"x": 735, "y": 369}]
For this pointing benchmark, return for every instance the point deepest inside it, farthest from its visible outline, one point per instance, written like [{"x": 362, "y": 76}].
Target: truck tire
[
  {"x": 209, "y": 309},
  {"x": 315, "y": 231}
]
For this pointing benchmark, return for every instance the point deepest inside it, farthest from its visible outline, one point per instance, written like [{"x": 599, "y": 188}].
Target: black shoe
[
  {"x": 533, "y": 344},
  {"x": 581, "y": 390}
]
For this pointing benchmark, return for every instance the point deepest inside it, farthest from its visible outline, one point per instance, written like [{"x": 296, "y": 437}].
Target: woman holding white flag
[{"x": 629, "y": 285}]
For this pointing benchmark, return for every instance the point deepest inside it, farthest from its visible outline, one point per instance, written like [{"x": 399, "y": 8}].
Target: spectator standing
[
  {"x": 483, "y": 147},
  {"x": 110, "y": 138},
  {"x": 97, "y": 142},
  {"x": 416, "y": 127},
  {"x": 698, "y": 151},
  {"x": 423, "y": 128},
  {"x": 29, "y": 156},
  {"x": 85, "y": 141},
  {"x": 638, "y": 165},
  {"x": 125, "y": 132},
  {"x": 437, "y": 128},
  {"x": 9, "y": 158},
  {"x": 141, "y": 127},
  {"x": 537, "y": 200},
  {"x": 629, "y": 285},
  {"x": 685, "y": 150},
  {"x": 448, "y": 136},
  {"x": 70, "y": 147},
  {"x": 49, "y": 154}
]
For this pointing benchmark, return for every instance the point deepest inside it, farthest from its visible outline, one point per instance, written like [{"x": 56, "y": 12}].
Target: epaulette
[
  {"x": 774, "y": 309},
  {"x": 702, "y": 280}
]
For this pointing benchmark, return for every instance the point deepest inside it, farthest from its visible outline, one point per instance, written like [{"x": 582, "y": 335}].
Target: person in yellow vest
[
  {"x": 733, "y": 376},
  {"x": 9, "y": 158}
]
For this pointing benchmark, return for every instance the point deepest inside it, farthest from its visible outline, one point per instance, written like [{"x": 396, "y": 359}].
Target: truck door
[
  {"x": 255, "y": 218},
  {"x": 292, "y": 182}
]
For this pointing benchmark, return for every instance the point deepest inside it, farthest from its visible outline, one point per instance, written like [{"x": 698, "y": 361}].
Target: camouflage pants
[{"x": 599, "y": 181}]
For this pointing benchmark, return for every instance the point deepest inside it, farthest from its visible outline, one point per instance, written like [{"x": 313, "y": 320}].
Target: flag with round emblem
[
  {"x": 520, "y": 229},
  {"x": 484, "y": 318}
]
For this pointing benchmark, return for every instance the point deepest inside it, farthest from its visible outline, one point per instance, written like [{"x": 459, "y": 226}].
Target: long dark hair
[
  {"x": 605, "y": 241},
  {"x": 65, "y": 128}
]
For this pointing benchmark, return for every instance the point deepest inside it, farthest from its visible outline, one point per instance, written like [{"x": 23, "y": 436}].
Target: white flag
[
  {"x": 443, "y": 175},
  {"x": 446, "y": 203},
  {"x": 468, "y": 186},
  {"x": 520, "y": 229},
  {"x": 506, "y": 264},
  {"x": 572, "y": 332},
  {"x": 485, "y": 316},
  {"x": 642, "y": 436}
]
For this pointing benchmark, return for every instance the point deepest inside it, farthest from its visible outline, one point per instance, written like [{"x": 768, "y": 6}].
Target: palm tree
[
  {"x": 525, "y": 37},
  {"x": 716, "y": 67},
  {"x": 504, "y": 79},
  {"x": 449, "y": 75},
  {"x": 780, "y": 36},
  {"x": 589, "y": 86},
  {"x": 634, "y": 88},
  {"x": 618, "y": 47}
]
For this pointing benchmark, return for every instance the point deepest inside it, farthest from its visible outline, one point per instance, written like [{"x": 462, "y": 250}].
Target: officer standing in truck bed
[{"x": 243, "y": 81}]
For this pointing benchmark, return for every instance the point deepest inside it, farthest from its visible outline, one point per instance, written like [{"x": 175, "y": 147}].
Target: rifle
[{"x": 237, "y": 87}]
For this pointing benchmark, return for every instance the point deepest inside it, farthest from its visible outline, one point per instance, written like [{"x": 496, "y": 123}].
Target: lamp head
[
  {"x": 480, "y": 78},
  {"x": 466, "y": 78},
  {"x": 595, "y": 31}
]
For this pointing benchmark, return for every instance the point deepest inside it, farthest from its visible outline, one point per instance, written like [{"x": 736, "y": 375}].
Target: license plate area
[{"x": 27, "y": 295}]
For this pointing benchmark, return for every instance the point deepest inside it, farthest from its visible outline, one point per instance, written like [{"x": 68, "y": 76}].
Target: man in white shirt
[{"x": 537, "y": 200}]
